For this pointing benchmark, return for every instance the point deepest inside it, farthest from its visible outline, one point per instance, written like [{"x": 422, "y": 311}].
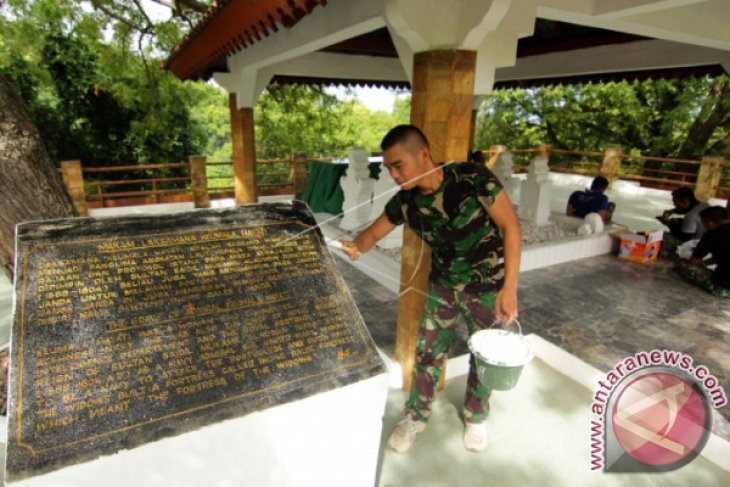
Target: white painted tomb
[
  {"x": 383, "y": 190},
  {"x": 358, "y": 190},
  {"x": 535, "y": 192},
  {"x": 331, "y": 438},
  {"x": 503, "y": 171}
]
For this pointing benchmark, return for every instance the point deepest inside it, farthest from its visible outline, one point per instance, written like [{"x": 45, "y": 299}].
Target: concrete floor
[
  {"x": 601, "y": 310},
  {"x": 539, "y": 436}
]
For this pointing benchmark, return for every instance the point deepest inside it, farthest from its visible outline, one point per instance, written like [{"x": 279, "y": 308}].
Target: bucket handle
[{"x": 514, "y": 322}]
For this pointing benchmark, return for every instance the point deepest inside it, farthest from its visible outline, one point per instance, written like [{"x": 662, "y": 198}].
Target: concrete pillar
[
  {"x": 73, "y": 179},
  {"x": 199, "y": 182},
  {"x": 441, "y": 105},
  {"x": 441, "y": 101},
  {"x": 708, "y": 179},
  {"x": 244, "y": 152},
  {"x": 298, "y": 173},
  {"x": 611, "y": 164},
  {"x": 497, "y": 150},
  {"x": 543, "y": 150}
]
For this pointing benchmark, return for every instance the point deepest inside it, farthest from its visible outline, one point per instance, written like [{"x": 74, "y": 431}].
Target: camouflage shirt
[{"x": 466, "y": 244}]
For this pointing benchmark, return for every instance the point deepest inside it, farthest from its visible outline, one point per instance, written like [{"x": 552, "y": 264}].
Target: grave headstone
[
  {"x": 358, "y": 190},
  {"x": 383, "y": 191},
  {"x": 503, "y": 171},
  {"x": 133, "y": 329},
  {"x": 536, "y": 192}
]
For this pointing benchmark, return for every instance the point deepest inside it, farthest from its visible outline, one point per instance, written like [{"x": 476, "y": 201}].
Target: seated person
[
  {"x": 686, "y": 227},
  {"x": 581, "y": 203},
  {"x": 715, "y": 241}
]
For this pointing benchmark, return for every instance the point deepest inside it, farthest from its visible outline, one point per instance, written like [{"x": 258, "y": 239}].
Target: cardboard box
[{"x": 639, "y": 247}]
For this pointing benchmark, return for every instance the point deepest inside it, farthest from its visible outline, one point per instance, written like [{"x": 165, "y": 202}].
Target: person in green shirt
[{"x": 460, "y": 210}]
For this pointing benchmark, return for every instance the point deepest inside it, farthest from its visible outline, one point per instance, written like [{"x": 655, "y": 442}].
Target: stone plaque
[{"x": 132, "y": 329}]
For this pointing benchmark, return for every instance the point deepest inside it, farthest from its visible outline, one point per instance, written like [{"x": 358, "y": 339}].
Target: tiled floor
[{"x": 600, "y": 309}]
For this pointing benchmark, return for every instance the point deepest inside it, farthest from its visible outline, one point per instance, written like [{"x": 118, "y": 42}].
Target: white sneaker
[
  {"x": 404, "y": 434},
  {"x": 475, "y": 437}
]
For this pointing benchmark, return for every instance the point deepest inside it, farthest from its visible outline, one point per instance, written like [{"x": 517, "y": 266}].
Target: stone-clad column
[
  {"x": 708, "y": 179},
  {"x": 73, "y": 179},
  {"x": 611, "y": 165},
  {"x": 244, "y": 153},
  {"x": 298, "y": 173},
  {"x": 441, "y": 105},
  {"x": 199, "y": 182}
]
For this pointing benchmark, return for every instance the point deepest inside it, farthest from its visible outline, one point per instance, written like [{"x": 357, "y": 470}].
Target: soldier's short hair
[{"x": 404, "y": 134}]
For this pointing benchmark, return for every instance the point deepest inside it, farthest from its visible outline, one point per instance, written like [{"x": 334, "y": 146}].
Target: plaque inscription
[{"x": 130, "y": 330}]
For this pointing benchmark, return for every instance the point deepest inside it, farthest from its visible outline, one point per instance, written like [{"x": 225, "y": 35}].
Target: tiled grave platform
[{"x": 538, "y": 433}]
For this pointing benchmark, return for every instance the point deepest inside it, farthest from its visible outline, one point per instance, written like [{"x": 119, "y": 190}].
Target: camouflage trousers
[
  {"x": 443, "y": 309},
  {"x": 702, "y": 277}
]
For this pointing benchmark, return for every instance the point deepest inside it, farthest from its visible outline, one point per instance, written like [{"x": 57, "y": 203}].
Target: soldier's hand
[
  {"x": 505, "y": 306},
  {"x": 350, "y": 248}
]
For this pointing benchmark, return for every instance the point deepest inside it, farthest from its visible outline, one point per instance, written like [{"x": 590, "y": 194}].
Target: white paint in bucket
[{"x": 500, "y": 347}]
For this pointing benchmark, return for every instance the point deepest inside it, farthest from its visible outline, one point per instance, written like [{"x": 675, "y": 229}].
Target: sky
[{"x": 375, "y": 99}]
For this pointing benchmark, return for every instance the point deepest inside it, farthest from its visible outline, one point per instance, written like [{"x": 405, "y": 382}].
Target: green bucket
[{"x": 499, "y": 356}]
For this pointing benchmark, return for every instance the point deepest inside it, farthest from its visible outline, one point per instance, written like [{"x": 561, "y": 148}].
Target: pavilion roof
[
  {"x": 615, "y": 76},
  {"x": 229, "y": 26}
]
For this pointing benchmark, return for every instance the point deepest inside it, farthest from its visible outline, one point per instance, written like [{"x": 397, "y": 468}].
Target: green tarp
[{"x": 323, "y": 193}]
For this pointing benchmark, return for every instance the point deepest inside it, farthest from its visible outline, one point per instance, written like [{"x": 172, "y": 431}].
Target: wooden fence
[
  {"x": 199, "y": 180},
  {"x": 710, "y": 176},
  {"x": 95, "y": 187}
]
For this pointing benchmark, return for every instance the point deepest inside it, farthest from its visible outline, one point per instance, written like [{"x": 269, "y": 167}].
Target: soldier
[
  {"x": 460, "y": 210},
  {"x": 715, "y": 242}
]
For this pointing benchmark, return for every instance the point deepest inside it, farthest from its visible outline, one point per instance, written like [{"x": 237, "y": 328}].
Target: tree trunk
[
  {"x": 30, "y": 185},
  {"x": 712, "y": 114}
]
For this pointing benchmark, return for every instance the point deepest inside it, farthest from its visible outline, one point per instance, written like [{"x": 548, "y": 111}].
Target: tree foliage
[
  {"x": 684, "y": 118},
  {"x": 292, "y": 118},
  {"x": 89, "y": 73},
  {"x": 93, "y": 98}
]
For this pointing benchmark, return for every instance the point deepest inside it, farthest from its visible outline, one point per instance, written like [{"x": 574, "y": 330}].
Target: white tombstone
[
  {"x": 358, "y": 190},
  {"x": 503, "y": 171},
  {"x": 383, "y": 190},
  {"x": 535, "y": 193}
]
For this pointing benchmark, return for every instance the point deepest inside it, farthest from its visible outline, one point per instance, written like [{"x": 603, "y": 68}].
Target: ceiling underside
[
  {"x": 549, "y": 37},
  {"x": 557, "y": 52}
]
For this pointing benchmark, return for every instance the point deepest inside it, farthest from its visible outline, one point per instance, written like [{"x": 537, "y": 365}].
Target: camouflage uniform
[
  {"x": 702, "y": 277},
  {"x": 467, "y": 270}
]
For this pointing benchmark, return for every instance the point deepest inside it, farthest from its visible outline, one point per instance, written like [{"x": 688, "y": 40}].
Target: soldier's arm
[
  {"x": 381, "y": 227},
  {"x": 504, "y": 217}
]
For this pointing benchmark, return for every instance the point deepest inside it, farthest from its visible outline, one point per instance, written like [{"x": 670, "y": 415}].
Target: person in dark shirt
[
  {"x": 581, "y": 203},
  {"x": 715, "y": 241}
]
